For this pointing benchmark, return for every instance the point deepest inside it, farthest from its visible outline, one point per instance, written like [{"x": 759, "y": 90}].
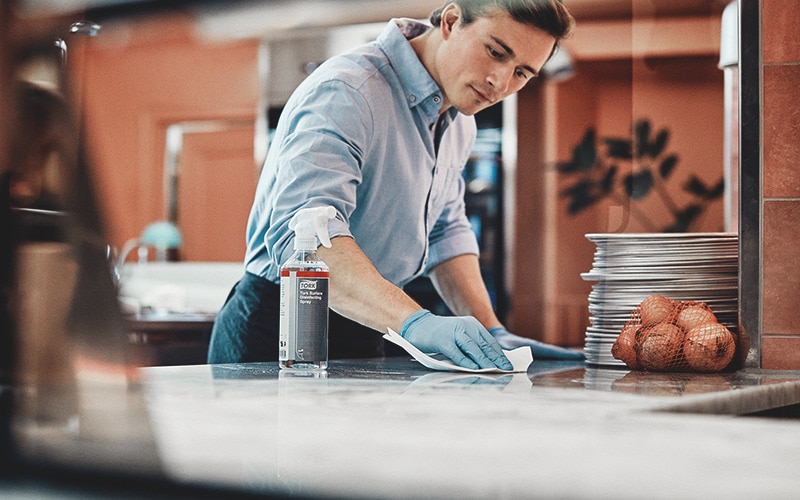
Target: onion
[
  {"x": 655, "y": 309},
  {"x": 709, "y": 347},
  {"x": 695, "y": 314},
  {"x": 660, "y": 347},
  {"x": 623, "y": 347}
]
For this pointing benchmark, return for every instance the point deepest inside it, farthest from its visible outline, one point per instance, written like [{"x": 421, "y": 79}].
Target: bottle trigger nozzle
[{"x": 309, "y": 223}]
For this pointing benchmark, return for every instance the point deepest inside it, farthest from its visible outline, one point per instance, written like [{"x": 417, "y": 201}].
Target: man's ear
[{"x": 450, "y": 16}]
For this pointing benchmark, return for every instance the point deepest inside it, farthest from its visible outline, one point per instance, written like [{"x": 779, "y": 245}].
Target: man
[{"x": 382, "y": 134}]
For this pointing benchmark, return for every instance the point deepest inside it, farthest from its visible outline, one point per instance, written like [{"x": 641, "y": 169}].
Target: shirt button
[
  {"x": 437, "y": 99},
  {"x": 412, "y": 98}
]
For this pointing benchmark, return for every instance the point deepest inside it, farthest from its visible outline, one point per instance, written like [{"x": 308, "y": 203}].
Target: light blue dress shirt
[{"x": 360, "y": 134}]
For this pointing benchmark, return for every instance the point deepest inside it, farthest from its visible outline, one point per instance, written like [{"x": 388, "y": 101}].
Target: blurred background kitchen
[
  {"x": 632, "y": 128},
  {"x": 133, "y": 132}
]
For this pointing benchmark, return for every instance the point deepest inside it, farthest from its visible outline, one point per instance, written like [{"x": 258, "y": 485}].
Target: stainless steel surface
[{"x": 750, "y": 205}]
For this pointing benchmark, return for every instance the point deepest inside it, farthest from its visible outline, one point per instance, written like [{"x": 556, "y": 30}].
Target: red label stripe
[{"x": 306, "y": 274}]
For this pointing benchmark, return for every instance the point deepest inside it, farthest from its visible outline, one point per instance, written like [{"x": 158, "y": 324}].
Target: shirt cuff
[
  {"x": 460, "y": 243},
  {"x": 337, "y": 227}
]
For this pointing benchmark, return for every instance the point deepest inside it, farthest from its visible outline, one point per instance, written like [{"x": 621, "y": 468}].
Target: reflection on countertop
[
  {"x": 390, "y": 428},
  {"x": 740, "y": 392},
  {"x": 554, "y": 374},
  {"x": 164, "y": 338}
]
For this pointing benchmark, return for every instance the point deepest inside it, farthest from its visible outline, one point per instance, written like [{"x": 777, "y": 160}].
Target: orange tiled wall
[{"x": 780, "y": 327}]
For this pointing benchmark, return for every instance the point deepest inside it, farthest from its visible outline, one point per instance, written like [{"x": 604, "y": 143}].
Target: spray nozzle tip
[{"x": 310, "y": 222}]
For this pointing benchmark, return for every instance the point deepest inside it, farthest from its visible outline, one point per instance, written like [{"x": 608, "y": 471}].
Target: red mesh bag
[{"x": 670, "y": 335}]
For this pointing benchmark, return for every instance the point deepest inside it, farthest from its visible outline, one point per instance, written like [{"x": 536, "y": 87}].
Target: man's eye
[
  {"x": 521, "y": 73},
  {"x": 494, "y": 53}
]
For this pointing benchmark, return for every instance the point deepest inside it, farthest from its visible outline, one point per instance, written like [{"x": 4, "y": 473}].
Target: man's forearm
[
  {"x": 460, "y": 284},
  {"x": 359, "y": 292}
]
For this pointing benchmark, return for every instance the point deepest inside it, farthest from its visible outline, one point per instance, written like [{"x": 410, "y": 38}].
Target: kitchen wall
[
  {"x": 174, "y": 118},
  {"x": 137, "y": 81},
  {"x": 659, "y": 67},
  {"x": 780, "y": 197}
]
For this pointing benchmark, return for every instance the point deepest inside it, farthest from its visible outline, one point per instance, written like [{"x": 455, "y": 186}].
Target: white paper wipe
[{"x": 520, "y": 358}]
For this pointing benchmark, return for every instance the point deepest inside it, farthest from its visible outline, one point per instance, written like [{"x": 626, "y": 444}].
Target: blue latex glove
[
  {"x": 461, "y": 338},
  {"x": 540, "y": 350}
]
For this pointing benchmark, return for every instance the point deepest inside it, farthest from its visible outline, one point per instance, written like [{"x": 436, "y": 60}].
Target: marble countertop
[
  {"x": 390, "y": 428},
  {"x": 393, "y": 429}
]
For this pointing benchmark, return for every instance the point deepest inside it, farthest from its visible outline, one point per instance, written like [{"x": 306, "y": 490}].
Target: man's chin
[{"x": 472, "y": 109}]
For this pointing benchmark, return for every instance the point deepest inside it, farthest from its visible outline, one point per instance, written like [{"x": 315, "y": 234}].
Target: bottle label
[{"x": 304, "y": 316}]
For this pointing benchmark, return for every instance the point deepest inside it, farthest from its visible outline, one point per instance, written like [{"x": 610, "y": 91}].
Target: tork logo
[{"x": 308, "y": 285}]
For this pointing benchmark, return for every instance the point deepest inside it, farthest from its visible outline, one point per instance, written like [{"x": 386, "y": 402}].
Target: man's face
[{"x": 482, "y": 63}]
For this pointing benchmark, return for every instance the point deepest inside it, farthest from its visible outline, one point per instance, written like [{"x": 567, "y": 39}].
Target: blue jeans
[{"x": 247, "y": 328}]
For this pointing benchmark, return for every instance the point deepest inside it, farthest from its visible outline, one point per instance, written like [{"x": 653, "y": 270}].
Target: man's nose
[{"x": 500, "y": 78}]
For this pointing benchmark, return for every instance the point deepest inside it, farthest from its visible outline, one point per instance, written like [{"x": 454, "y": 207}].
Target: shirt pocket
[{"x": 446, "y": 187}]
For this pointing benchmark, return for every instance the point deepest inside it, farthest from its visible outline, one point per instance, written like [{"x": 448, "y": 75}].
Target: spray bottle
[{"x": 304, "y": 294}]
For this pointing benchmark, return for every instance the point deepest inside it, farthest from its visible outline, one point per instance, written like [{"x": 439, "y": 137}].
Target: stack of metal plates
[{"x": 683, "y": 266}]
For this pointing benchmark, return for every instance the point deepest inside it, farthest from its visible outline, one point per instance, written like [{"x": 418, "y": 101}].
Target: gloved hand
[
  {"x": 540, "y": 350},
  {"x": 461, "y": 338}
]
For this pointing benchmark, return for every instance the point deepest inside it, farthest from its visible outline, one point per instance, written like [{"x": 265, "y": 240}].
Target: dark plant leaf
[
  {"x": 684, "y": 219},
  {"x": 567, "y": 167},
  {"x": 584, "y": 155},
  {"x": 638, "y": 185},
  {"x": 642, "y": 135},
  {"x": 582, "y": 194},
  {"x": 677, "y": 227},
  {"x": 717, "y": 191},
  {"x": 658, "y": 144},
  {"x": 581, "y": 188},
  {"x": 668, "y": 164},
  {"x": 690, "y": 213},
  {"x": 581, "y": 203},
  {"x": 696, "y": 187},
  {"x": 607, "y": 183},
  {"x": 619, "y": 148}
]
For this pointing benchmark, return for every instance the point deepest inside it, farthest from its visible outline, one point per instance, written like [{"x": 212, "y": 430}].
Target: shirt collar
[{"x": 417, "y": 83}]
